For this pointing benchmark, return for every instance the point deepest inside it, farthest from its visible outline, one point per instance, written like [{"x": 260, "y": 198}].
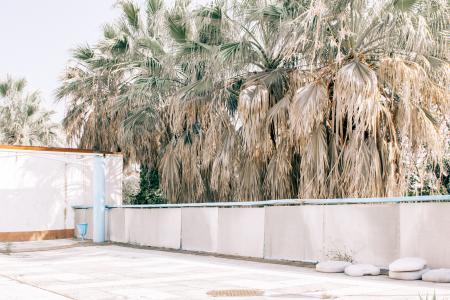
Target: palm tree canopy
[
  {"x": 23, "y": 120},
  {"x": 250, "y": 100}
]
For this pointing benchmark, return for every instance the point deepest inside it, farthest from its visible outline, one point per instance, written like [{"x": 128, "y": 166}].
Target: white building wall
[{"x": 38, "y": 188}]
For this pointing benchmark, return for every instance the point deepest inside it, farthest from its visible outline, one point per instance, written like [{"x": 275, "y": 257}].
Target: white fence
[{"x": 368, "y": 233}]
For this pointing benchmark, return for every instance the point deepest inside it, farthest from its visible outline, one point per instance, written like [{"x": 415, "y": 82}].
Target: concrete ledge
[
  {"x": 295, "y": 202},
  {"x": 41, "y": 245}
]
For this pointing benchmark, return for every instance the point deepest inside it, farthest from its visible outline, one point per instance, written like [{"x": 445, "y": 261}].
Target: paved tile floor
[{"x": 115, "y": 272}]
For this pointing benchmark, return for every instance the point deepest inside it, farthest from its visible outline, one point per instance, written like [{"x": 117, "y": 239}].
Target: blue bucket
[{"x": 82, "y": 230}]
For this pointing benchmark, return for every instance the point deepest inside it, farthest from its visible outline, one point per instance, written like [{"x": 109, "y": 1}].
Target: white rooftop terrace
[{"x": 65, "y": 269}]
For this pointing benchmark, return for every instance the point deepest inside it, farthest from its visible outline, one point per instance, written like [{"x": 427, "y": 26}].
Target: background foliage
[
  {"x": 23, "y": 119},
  {"x": 250, "y": 100}
]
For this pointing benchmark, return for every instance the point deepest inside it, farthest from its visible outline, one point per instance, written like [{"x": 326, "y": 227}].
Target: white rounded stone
[
  {"x": 408, "y": 264},
  {"x": 332, "y": 266},
  {"x": 361, "y": 270},
  {"x": 437, "y": 275},
  {"x": 412, "y": 275}
]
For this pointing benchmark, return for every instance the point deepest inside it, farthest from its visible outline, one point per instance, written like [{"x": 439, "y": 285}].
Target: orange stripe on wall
[
  {"x": 36, "y": 235},
  {"x": 51, "y": 149}
]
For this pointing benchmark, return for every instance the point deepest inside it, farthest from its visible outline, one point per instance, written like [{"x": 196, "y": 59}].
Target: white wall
[
  {"x": 425, "y": 232},
  {"x": 199, "y": 228},
  {"x": 241, "y": 231},
  {"x": 368, "y": 233},
  {"x": 293, "y": 232},
  {"x": 38, "y": 188},
  {"x": 156, "y": 227}
]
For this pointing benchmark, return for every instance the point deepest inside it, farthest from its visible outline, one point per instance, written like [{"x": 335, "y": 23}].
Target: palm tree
[
  {"x": 23, "y": 120},
  {"x": 250, "y": 100},
  {"x": 377, "y": 80}
]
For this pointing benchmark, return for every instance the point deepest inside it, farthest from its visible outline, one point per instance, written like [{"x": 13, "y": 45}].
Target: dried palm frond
[
  {"x": 253, "y": 108},
  {"x": 357, "y": 99},
  {"x": 363, "y": 158},
  {"x": 250, "y": 188},
  {"x": 418, "y": 97},
  {"x": 170, "y": 174},
  {"x": 278, "y": 182},
  {"x": 253, "y": 104},
  {"x": 278, "y": 120},
  {"x": 309, "y": 108},
  {"x": 223, "y": 173},
  {"x": 314, "y": 165},
  {"x": 192, "y": 187}
]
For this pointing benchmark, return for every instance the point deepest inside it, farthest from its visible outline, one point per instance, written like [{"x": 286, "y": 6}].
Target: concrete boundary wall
[{"x": 367, "y": 233}]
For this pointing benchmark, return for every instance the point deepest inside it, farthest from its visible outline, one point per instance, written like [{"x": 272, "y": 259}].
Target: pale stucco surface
[
  {"x": 155, "y": 227},
  {"x": 366, "y": 233},
  {"x": 294, "y": 232},
  {"x": 117, "y": 225},
  {"x": 374, "y": 234},
  {"x": 241, "y": 231},
  {"x": 38, "y": 189},
  {"x": 425, "y": 232},
  {"x": 199, "y": 228}
]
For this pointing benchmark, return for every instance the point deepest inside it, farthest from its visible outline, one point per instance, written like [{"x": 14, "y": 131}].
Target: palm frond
[{"x": 131, "y": 13}]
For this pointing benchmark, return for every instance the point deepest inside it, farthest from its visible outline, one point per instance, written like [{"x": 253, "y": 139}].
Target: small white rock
[
  {"x": 332, "y": 266},
  {"x": 412, "y": 275},
  {"x": 361, "y": 270},
  {"x": 408, "y": 264},
  {"x": 437, "y": 275}
]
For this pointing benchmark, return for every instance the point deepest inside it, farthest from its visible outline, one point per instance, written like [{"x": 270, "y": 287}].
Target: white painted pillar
[{"x": 99, "y": 199}]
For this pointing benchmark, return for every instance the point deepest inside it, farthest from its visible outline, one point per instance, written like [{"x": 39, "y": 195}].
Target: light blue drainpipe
[{"x": 99, "y": 199}]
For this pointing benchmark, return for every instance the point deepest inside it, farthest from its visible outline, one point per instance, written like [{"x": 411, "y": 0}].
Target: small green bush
[{"x": 150, "y": 192}]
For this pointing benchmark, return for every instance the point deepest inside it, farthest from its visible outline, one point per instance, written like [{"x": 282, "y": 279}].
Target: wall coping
[{"x": 291, "y": 202}]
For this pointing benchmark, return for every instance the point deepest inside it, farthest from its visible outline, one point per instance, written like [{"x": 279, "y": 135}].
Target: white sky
[{"x": 36, "y": 38}]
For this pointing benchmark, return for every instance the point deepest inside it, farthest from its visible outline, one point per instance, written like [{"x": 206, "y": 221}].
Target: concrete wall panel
[
  {"x": 376, "y": 234},
  {"x": 366, "y": 233},
  {"x": 294, "y": 233},
  {"x": 425, "y": 232},
  {"x": 199, "y": 228},
  {"x": 241, "y": 231},
  {"x": 154, "y": 227},
  {"x": 117, "y": 229}
]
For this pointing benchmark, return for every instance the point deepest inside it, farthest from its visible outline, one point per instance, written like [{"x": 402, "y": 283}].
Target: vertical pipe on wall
[{"x": 99, "y": 199}]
